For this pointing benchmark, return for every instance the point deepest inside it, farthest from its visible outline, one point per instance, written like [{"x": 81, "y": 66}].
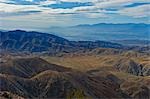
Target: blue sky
[{"x": 36, "y": 14}]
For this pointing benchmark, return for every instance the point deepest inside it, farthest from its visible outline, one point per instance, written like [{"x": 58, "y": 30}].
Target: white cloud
[
  {"x": 29, "y": 0},
  {"x": 97, "y": 10},
  {"x": 136, "y": 12},
  {"x": 76, "y": 0},
  {"x": 96, "y": 15},
  {"x": 47, "y": 2},
  {"x": 13, "y": 8}
]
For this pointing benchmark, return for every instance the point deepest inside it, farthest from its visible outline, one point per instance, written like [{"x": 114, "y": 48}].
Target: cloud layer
[{"x": 74, "y": 11}]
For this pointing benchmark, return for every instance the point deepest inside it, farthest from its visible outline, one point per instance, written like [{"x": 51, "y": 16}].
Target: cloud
[
  {"x": 13, "y": 8},
  {"x": 96, "y": 15},
  {"x": 18, "y": 2},
  {"x": 69, "y": 5},
  {"x": 74, "y": 11},
  {"x": 136, "y": 4},
  {"x": 136, "y": 12},
  {"x": 19, "y": 13}
]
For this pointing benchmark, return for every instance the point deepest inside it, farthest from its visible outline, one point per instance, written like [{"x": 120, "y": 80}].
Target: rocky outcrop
[
  {"x": 142, "y": 93},
  {"x": 132, "y": 67},
  {"x": 8, "y": 95},
  {"x": 137, "y": 89}
]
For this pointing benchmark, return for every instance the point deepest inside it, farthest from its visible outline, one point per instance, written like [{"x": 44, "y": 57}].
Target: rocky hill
[
  {"x": 50, "y": 82},
  {"x": 128, "y": 61},
  {"x": 97, "y": 73}
]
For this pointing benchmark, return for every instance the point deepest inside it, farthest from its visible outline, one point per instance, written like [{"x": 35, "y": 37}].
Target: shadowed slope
[
  {"x": 28, "y": 67},
  {"x": 50, "y": 84},
  {"x": 19, "y": 40}
]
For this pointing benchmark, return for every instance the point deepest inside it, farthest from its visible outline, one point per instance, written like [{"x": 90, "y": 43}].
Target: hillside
[
  {"x": 52, "y": 83},
  {"x": 74, "y": 75},
  {"x": 134, "y": 62},
  {"x": 19, "y": 40},
  {"x": 36, "y": 78},
  {"x": 28, "y": 67},
  {"x": 129, "y": 69}
]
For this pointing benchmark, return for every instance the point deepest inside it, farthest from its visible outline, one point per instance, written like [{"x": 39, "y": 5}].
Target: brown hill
[
  {"x": 28, "y": 67},
  {"x": 54, "y": 82},
  {"x": 103, "y": 75},
  {"x": 51, "y": 84},
  {"x": 133, "y": 62},
  {"x": 138, "y": 89},
  {"x": 130, "y": 66}
]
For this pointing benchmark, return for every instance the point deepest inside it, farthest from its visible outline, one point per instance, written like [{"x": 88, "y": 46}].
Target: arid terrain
[
  {"x": 74, "y": 49},
  {"x": 99, "y": 73},
  {"x": 80, "y": 70}
]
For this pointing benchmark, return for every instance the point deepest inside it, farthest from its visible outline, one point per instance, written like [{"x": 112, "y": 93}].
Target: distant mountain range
[
  {"x": 103, "y": 31},
  {"x": 133, "y": 42},
  {"x": 19, "y": 40}
]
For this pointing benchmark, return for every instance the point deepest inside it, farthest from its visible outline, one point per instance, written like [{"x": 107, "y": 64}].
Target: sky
[{"x": 37, "y": 14}]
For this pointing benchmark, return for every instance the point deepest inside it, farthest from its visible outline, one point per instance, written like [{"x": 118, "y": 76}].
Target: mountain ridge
[
  {"x": 103, "y": 31},
  {"x": 32, "y": 41}
]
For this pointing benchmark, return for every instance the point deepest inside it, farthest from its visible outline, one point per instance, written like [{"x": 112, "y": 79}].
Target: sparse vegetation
[{"x": 76, "y": 94}]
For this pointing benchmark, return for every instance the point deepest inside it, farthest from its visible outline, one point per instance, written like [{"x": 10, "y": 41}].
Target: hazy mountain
[
  {"x": 133, "y": 42},
  {"x": 104, "y": 31},
  {"x": 19, "y": 40}
]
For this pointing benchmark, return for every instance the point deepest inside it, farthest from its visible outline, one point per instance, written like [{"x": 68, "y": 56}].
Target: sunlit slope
[{"x": 106, "y": 59}]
